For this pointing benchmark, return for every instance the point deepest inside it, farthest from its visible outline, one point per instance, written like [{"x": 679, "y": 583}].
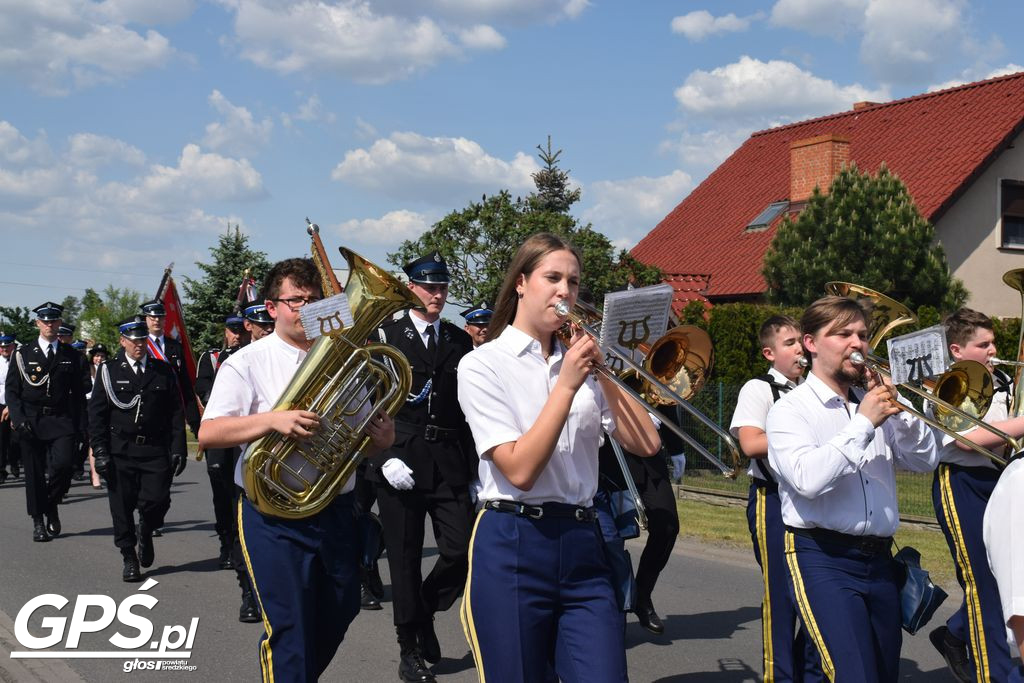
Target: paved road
[{"x": 708, "y": 596}]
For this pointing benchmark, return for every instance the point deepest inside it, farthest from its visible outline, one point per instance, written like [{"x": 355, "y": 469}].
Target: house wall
[{"x": 970, "y": 233}]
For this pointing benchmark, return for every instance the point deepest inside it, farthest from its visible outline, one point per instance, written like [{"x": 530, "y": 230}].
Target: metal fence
[{"x": 718, "y": 401}]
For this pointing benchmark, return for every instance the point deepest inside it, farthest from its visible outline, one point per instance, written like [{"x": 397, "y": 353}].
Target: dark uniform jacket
[
  {"x": 434, "y": 430},
  {"x": 52, "y": 409},
  {"x": 157, "y": 422},
  {"x": 206, "y": 373},
  {"x": 176, "y": 357}
]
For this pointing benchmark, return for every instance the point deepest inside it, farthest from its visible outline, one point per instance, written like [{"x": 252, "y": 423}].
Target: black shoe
[
  {"x": 53, "y": 522},
  {"x": 372, "y": 580},
  {"x": 954, "y": 651},
  {"x": 156, "y": 533},
  {"x": 648, "y": 618},
  {"x": 39, "y": 534},
  {"x": 131, "y": 572},
  {"x": 224, "y": 559},
  {"x": 146, "y": 553},
  {"x": 249, "y": 612},
  {"x": 15, "y": 471},
  {"x": 413, "y": 669},
  {"x": 429, "y": 646},
  {"x": 367, "y": 600}
]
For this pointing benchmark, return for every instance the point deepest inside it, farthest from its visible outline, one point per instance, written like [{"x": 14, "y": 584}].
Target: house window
[
  {"x": 1012, "y": 214},
  {"x": 771, "y": 212}
]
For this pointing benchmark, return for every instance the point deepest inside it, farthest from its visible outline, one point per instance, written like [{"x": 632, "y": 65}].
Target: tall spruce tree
[
  {"x": 866, "y": 230},
  {"x": 479, "y": 241},
  {"x": 213, "y": 297}
]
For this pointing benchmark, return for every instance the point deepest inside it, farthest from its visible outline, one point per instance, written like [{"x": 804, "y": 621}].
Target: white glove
[{"x": 398, "y": 474}]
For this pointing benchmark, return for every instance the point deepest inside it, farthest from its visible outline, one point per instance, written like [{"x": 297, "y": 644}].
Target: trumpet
[
  {"x": 656, "y": 385},
  {"x": 1000, "y": 361},
  {"x": 961, "y": 395}
]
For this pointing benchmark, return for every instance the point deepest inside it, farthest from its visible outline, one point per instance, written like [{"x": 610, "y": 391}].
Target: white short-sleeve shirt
[
  {"x": 251, "y": 380},
  {"x": 752, "y": 406},
  {"x": 835, "y": 470},
  {"x": 1004, "y": 538},
  {"x": 503, "y": 385}
]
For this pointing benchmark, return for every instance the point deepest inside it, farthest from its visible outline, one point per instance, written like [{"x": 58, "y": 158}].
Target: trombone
[
  {"x": 657, "y": 385},
  {"x": 967, "y": 382}
]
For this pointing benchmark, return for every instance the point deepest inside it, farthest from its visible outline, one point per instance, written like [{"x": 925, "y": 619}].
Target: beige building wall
[{"x": 971, "y": 234}]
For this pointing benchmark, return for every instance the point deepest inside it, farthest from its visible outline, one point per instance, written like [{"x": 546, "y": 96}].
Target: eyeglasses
[{"x": 294, "y": 303}]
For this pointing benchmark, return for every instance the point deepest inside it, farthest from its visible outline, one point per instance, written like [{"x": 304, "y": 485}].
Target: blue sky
[{"x": 132, "y": 132}]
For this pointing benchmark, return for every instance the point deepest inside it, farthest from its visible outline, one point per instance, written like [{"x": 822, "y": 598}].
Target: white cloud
[
  {"x": 365, "y": 129},
  {"x": 388, "y": 230},
  {"x": 344, "y": 38},
  {"x": 89, "y": 150},
  {"x": 972, "y": 74},
  {"x": 466, "y": 12},
  {"x": 775, "y": 88},
  {"x": 146, "y": 11},
  {"x": 820, "y": 17},
  {"x": 198, "y": 177},
  {"x": 700, "y": 24},
  {"x": 56, "y": 46},
  {"x": 626, "y": 210},
  {"x": 906, "y": 42},
  {"x": 238, "y": 132},
  {"x": 482, "y": 37},
  {"x": 703, "y": 151},
  {"x": 17, "y": 150},
  {"x": 436, "y": 170}
]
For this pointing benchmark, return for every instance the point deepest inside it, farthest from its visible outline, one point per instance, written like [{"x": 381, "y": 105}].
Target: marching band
[{"x": 493, "y": 431}]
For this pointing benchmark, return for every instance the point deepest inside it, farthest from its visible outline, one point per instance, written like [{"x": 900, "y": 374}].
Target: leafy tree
[
  {"x": 866, "y": 230},
  {"x": 101, "y": 314},
  {"x": 20, "y": 320},
  {"x": 213, "y": 297},
  {"x": 479, "y": 241}
]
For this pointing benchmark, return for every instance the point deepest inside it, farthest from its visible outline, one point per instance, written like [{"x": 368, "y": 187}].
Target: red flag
[{"x": 174, "y": 323}]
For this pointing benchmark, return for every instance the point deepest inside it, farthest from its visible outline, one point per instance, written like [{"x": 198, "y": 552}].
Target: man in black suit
[
  {"x": 170, "y": 350},
  {"x": 137, "y": 433},
  {"x": 8, "y": 447},
  {"x": 427, "y": 471},
  {"x": 46, "y": 386}
]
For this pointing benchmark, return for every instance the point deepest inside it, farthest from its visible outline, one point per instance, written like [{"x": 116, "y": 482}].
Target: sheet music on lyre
[
  {"x": 635, "y": 316},
  {"x": 919, "y": 355}
]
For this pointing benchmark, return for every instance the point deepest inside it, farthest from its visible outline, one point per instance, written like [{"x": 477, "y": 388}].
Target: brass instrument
[
  {"x": 1015, "y": 279},
  {"x": 885, "y": 315},
  {"x": 670, "y": 363},
  {"x": 339, "y": 379},
  {"x": 961, "y": 396}
]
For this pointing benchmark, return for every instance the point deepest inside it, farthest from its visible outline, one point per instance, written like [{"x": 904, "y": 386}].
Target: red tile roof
[{"x": 937, "y": 143}]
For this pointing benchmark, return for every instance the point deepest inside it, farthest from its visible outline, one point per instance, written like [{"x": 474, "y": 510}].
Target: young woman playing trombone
[{"x": 539, "y": 602}]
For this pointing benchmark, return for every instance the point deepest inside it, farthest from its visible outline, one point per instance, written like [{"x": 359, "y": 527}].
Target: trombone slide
[{"x": 634, "y": 493}]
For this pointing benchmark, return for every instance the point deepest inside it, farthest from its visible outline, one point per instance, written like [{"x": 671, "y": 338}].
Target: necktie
[
  {"x": 160, "y": 343},
  {"x": 49, "y": 353},
  {"x": 431, "y": 343},
  {"x": 138, "y": 368}
]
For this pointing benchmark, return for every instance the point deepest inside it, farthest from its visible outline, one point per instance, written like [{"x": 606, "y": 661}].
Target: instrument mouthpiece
[
  {"x": 803, "y": 362},
  {"x": 857, "y": 358},
  {"x": 562, "y": 308}
]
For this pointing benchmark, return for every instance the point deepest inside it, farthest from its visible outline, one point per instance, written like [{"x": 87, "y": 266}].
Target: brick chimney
[{"x": 815, "y": 162}]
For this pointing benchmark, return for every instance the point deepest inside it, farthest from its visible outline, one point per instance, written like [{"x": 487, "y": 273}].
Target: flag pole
[{"x": 163, "y": 281}]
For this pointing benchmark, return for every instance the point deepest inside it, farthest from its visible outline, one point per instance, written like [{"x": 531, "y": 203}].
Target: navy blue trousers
[
  {"x": 960, "y": 495},
  {"x": 850, "y": 604},
  {"x": 788, "y": 654},
  {"x": 539, "y": 603},
  {"x": 305, "y": 574}
]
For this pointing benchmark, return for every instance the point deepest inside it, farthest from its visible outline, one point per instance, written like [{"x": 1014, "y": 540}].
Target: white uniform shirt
[
  {"x": 836, "y": 471},
  {"x": 752, "y": 406},
  {"x": 502, "y": 387},
  {"x": 951, "y": 453},
  {"x": 1004, "y": 539},
  {"x": 421, "y": 326},
  {"x": 5, "y": 366},
  {"x": 251, "y": 380}
]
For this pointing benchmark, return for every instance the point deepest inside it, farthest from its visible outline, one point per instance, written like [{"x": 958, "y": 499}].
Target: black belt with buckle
[
  {"x": 564, "y": 510},
  {"x": 431, "y": 433},
  {"x": 47, "y": 411},
  {"x": 869, "y": 545},
  {"x": 141, "y": 439}
]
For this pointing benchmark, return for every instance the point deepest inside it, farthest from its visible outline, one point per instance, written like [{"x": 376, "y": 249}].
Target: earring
[{"x": 519, "y": 295}]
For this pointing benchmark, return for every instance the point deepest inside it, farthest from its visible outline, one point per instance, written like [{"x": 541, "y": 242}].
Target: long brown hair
[{"x": 526, "y": 260}]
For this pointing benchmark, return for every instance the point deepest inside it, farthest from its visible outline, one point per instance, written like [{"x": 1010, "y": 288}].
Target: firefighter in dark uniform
[
  {"x": 477, "y": 320},
  {"x": 137, "y": 433},
  {"x": 220, "y": 467},
  {"x": 65, "y": 335},
  {"x": 428, "y": 470},
  {"x": 258, "y": 322},
  {"x": 171, "y": 350},
  {"x": 46, "y": 386},
  {"x": 8, "y": 446}
]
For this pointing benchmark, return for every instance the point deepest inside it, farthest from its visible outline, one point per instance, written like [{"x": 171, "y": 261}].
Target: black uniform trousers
[
  {"x": 42, "y": 493},
  {"x": 8, "y": 446},
  {"x": 139, "y": 479},
  {"x": 960, "y": 495},
  {"x": 403, "y": 514},
  {"x": 659, "y": 501},
  {"x": 220, "y": 468}
]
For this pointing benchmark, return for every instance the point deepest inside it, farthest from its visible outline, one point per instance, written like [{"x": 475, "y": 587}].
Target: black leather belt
[
  {"x": 431, "y": 433},
  {"x": 47, "y": 411},
  {"x": 564, "y": 510},
  {"x": 140, "y": 439},
  {"x": 870, "y": 545}
]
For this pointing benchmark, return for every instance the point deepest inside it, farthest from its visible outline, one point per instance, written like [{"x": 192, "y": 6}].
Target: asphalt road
[{"x": 709, "y": 598}]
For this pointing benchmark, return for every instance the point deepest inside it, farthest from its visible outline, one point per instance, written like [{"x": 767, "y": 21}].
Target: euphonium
[{"x": 339, "y": 378}]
